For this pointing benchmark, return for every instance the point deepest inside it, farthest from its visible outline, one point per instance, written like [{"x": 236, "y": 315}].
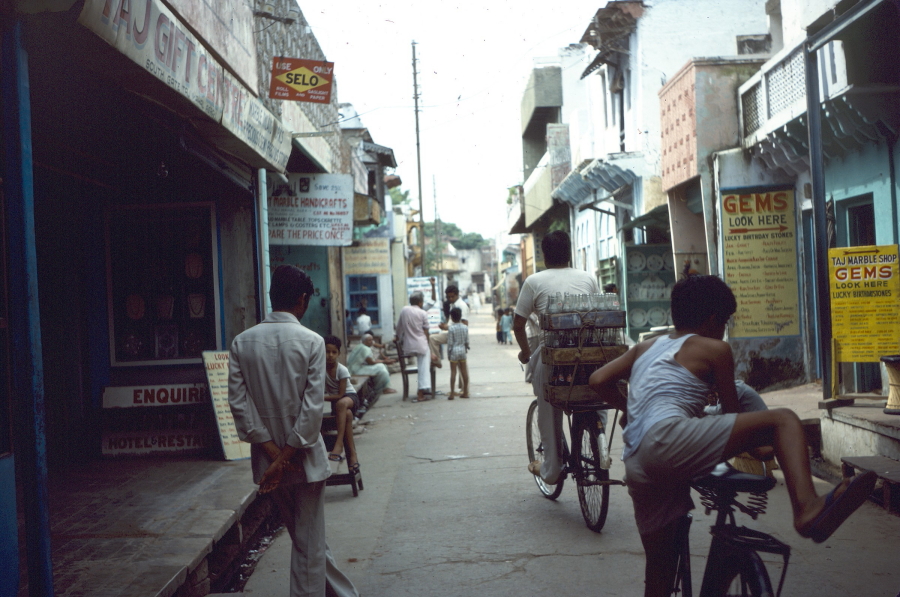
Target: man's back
[
  {"x": 281, "y": 367},
  {"x": 539, "y": 288}
]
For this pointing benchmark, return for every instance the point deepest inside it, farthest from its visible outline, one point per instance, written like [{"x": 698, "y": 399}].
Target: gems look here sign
[{"x": 865, "y": 302}]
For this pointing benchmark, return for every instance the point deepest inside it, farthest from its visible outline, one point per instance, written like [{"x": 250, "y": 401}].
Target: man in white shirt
[
  {"x": 276, "y": 390},
  {"x": 534, "y": 298},
  {"x": 363, "y": 322},
  {"x": 435, "y": 340}
]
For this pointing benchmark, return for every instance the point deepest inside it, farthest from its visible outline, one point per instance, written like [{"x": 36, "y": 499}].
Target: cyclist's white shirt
[{"x": 661, "y": 388}]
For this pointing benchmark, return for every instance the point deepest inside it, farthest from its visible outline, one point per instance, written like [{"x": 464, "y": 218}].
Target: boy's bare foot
[
  {"x": 831, "y": 510},
  {"x": 451, "y": 396},
  {"x": 389, "y": 391},
  {"x": 464, "y": 395}
]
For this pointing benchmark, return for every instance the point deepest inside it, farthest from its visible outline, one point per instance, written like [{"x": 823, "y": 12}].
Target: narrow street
[{"x": 450, "y": 510}]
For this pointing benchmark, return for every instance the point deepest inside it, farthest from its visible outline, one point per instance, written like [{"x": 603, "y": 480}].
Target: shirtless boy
[{"x": 668, "y": 442}]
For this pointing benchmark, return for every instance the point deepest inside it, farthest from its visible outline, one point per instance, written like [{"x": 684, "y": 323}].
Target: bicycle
[
  {"x": 733, "y": 567},
  {"x": 588, "y": 462}
]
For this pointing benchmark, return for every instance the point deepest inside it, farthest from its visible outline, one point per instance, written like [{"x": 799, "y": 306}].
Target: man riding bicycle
[
  {"x": 534, "y": 297},
  {"x": 668, "y": 441}
]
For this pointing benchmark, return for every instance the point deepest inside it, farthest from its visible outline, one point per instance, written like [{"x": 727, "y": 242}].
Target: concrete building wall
[
  {"x": 796, "y": 15},
  {"x": 668, "y": 35}
]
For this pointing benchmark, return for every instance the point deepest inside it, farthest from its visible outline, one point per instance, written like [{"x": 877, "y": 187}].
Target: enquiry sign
[
  {"x": 760, "y": 262},
  {"x": 865, "y": 302}
]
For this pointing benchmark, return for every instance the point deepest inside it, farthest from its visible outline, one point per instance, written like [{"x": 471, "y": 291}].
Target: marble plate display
[{"x": 638, "y": 317}]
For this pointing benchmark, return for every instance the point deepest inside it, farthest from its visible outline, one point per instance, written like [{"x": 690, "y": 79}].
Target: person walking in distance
[
  {"x": 276, "y": 390},
  {"x": 534, "y": 297},
  {"x": 457, "y": 345},
  {"x": 412, "y": 333}
]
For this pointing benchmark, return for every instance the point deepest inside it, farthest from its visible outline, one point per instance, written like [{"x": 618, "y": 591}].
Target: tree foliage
[{"x": 457, "y": 238}]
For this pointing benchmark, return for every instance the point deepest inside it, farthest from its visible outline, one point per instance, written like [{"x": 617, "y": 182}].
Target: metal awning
[
  {"x": 658, "y": 217},
  {"x": 574, "y": 189},
  {"x": 385, "y": 155},
  {"x": 606, "y": 175}
]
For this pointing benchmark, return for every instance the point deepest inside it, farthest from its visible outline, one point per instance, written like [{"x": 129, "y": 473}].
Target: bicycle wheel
[
  {"x": 593, "y": 493},
  {"x": 745, "y": 577},
  {"x": 536, "y": 452}
]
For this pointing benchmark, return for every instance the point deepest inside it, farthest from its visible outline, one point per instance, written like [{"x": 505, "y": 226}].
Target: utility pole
[
  {"x": 418, "y": 157},
  {"x": 437, "y": 232}
]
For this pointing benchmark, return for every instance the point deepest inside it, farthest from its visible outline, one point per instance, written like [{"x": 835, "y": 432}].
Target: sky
[{"x": 474, "y": 59}]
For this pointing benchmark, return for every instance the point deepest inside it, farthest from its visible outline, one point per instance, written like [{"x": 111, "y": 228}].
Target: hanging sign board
[
  {"x": 760, "y": 261},
  {"x": 311, "y": 209},
  {"x": 370, "y": 256},
  {"x": 215, "y": 362},
  {"x": 299, "y": 80},
  {"x": 864, "y": 284}
]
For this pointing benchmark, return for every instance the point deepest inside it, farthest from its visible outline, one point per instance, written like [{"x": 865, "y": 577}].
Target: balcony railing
[{"x": 777, "y": 93}]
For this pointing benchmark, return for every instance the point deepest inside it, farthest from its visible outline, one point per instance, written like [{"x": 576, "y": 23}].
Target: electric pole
[{"x": 418, "y": 158}]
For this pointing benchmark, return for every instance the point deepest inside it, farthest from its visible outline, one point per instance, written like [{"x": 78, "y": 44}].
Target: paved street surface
[{"x": 450, "y": 510}]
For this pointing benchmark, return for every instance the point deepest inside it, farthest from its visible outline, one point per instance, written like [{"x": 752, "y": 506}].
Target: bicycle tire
[
  {"x": 589, "y": 474},
  {"x": 745, "y": 577},
  {"x": 536, "y": 452}
]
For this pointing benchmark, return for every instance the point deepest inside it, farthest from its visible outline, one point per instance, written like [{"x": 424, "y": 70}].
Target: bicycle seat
[{"x": 725, "y": 477}]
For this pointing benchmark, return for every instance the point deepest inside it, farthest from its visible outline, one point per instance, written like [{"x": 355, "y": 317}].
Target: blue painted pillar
[{"x": 26, "y": 371}]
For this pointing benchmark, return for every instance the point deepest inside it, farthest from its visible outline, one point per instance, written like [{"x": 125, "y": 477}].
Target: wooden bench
[
  {"x": 406, "y": 370},
  {"x": 887, "y": 469}
]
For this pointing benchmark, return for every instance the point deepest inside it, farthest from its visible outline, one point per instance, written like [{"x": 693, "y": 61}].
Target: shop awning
[
  {"x": 658, "y": 217},
  {"x": 519, "y": 226},
  {"x": 606, "y": 175},
  {"x": 384, "y": 155},
  {"x": 574, "y": 189}
]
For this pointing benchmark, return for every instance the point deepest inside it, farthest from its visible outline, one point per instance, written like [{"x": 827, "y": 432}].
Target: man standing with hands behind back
[
  {"x": 535, "y": 298},
  {"x": 276, "y": 389}
]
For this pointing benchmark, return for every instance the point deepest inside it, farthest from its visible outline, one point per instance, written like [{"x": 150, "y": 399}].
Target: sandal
[
  {"x": 838, "y": 508},
  {"x": 353, "y": 468},
  {"x": 335, "y": 458}
]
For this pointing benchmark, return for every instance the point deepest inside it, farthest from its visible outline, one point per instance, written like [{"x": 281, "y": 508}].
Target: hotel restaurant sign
[{"x": 150, "y": 34}]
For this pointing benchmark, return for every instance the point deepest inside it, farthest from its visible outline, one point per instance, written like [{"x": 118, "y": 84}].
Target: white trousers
[
  {"x": 423, "y": 362},
  {"x": 313, "y": 570}
]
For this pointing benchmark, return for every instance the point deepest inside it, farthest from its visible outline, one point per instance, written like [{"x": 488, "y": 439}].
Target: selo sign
[{"x": 301, "y": 80}]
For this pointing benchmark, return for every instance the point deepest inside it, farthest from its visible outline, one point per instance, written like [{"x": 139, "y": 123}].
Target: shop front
[{"x": 139, "y": 163}]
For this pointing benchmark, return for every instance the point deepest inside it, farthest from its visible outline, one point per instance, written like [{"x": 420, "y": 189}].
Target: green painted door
[{"x": 313, "y": 261}]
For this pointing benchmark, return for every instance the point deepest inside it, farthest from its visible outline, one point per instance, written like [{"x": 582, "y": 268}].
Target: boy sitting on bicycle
[{"x": 668, "y": 441}]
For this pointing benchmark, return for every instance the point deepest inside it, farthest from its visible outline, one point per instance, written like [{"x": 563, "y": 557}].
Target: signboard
[
  {"x": 151, "y": 35},
  {"x": 423, "y": 284},
  {"x": 148, "y": 442},
  {"x": 247, "y": 119},
  {"x": 134, "y": 396},
  {"x": 216, "y": 364},
  {"x": 760, "y": 262},
  {"x": 864, "y": 284},
  {"x": 311, "y": 209},
  {"x": 300, "y": 80},
  {"x": 370, "y": 256},
  {"x": 227, "y": 27}
]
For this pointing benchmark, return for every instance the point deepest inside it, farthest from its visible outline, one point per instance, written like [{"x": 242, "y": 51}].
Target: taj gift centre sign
[
  {"x": 760, "y": 261},
  {"x": 865, "y": 302},
  {"x": 301, "y": 80},
  {"x": 311, "y": 209}
]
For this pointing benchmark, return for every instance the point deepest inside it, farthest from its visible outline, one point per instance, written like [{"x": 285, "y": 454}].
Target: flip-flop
[
  {"x": 335, "y": 458},
  {"x": 389, "y": 391},
  {"x": 353, "y": 468},
  {"x": 838, "y": 509}
]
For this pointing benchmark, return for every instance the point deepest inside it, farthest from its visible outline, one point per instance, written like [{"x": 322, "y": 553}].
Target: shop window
[
  {"x": 162, "y": 271},
  {"x": 363, "y": 292}
]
